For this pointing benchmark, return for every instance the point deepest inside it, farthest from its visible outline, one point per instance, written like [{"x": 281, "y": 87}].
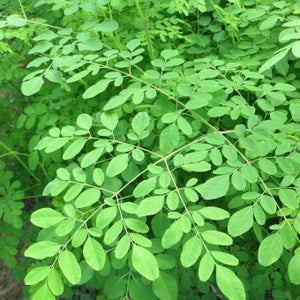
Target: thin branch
[
  {"x": 23, "y": 10},
  {"x": 13, "y": 153}
]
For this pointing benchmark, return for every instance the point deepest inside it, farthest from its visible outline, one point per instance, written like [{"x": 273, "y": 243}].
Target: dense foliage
[{"x": 156, "y": 146}]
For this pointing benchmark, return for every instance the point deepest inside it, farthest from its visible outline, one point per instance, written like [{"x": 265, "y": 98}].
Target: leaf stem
[
  {"x": 146, "y": 25},
  {"x": 13, "y": 153}
]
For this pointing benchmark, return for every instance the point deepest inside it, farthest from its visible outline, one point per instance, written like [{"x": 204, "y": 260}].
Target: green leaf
[
  {"x": 172, "y": 235},
  {"x": 206, "y": 267},
  {"x": 273, "y": 60},
  {"x": 215, "y": 187},
  {"x": 216, "y": 156},
  {"x": 84, "y": 121},
  {"x": 63, "y": 174},
  {"x": 117, "y": 165},
  {"x": 55, "y": 283},
  {"x": 113, "y": 232},
  {"x": 174, "y": 62},
  {"x": 150, "y": 206},
  {"x": 40, "y": 47},
  {"x": 172, "y": 200},
  {"x": 79, "y": 237},
  {"x": 289, "y": 198},
  {"x": 94, "y": 254},
  {"x": 138, "y": 289},
  {"x": 229, "y": 284},
  {"x": 96, "y": 89},
  {"x": 36, "y": 275},
  {"x": 201, "y": 166},
  {"x": 56, "y": 144},
  {"x": 115, "y": 102},
  {"x": 41, "y": 250},
  {"x": 144, "y": 187},
  {"x": 69, "y": 266},
  {"x": 225, "y": 258},
  {"x": 109, "y": 120},
  {"x": 133, "y": 44},
  {"x": 46, "y": 35},
  {"x": 54, "y": 75},
  {"x": 165, "y": 287},
  {"x": 184, "y": 126},
  {"x": 241, "y": 221},
  {"x": 141, "y": 240},
  {"x": 43, "y": 293},
  {"x": 294, "y": 269},
  {"x": 169, "y": 53},
  {"x": 16, "y": 20},
  {"x": 144, "y": 263},
  {"x": 79, "y": 174},
  {"x": 268, "y": 22},
  {"x": 105, "y": 217},
  {"x": 198, "y": 102},
  {"x": 288, "y": 236},
  {"x": 70, "y": 10},
  {"x": 214, "y": 213},
  {"x": 65, "y": 227},
  {"x": 108, "y": 25},
  {"x": 58, "y": 187},
  {"x": 296, "y": 49},
  {"x": 191, "y": 251},
  {"x": 32, "y": 86},
  {"x": 78, "y": 76},
  {"x": 267, "y": 166},
  {"x": 46, "y": 217},
  {"x": 88, "y": 197},
  {"x": 114, "y": 287},
  {"x": 216, "y": 238},
  {"x": 90, "y": 45},
  {"x": 218, "y": 111},
  {"x": 122, "y": 247},
  {"x": 270, "y": 250},
  {"x": 169, "y": 139},
  {"x": 138, "y": 155},
  {"x": 91, "y": 157},
  {"x": 140, "y": 122},
  {"x": 268, "y": 204},
  {"x": 197, "y": 217},
  {"x": 98, "y": 176},
  {"x": 136, "y": 225},
  {"x": 73, "y": 192},
  {"x": 249, "y": 173},
  {"x": 238, "y": 181}
]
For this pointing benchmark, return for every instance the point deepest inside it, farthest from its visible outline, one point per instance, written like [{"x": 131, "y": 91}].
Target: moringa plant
[{"x": 176, "y": 165}]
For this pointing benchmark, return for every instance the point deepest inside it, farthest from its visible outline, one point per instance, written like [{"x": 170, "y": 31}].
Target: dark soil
[{"x": 9, "y": 289}]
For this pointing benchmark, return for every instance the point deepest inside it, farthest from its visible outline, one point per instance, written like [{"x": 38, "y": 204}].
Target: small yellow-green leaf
[
  {"x": 88, "y": 197},
  {"x": 191, "y": 251},
  {"x": 144, "y": 187},
  {"x": 294, "y": 269},
  {"x": 36, "y": 275},
  {"x": 206, "y": 267},
  {"x": 94, "y": 254},
  {"x": 43, "y": 249},
  {"x": 69, "y": 266},
  {"x": 270, "y": 250},
  {"x": 144, "y": 263},
  {"x": 46, "y": 217},
  {"x": 215, "y": 187},
  {"x": 229, "y": 284},
  {"x": 55, "y": 282},
  {"x": 32, "y": 86},
  {"x": 117, "y": 165},
  {"x": 150, "y": 206}
]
